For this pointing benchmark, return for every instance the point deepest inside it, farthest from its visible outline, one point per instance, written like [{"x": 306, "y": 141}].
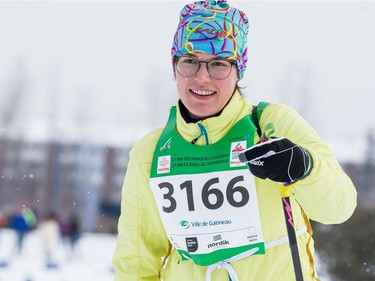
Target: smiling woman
[
  {"x": 214, "y": 35},
  {"x": 186, "y": 216},
  {"x": 204, "y": 91}
]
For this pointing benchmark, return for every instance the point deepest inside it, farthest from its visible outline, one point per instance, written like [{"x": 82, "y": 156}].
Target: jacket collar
[{"x": 216, "y": 126}]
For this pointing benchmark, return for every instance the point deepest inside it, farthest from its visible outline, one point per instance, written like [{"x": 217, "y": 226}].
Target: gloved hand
[{"x": 278, "y": 159}]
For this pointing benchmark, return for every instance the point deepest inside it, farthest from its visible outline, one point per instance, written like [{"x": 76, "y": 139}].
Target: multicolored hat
[{"x": 214, "y": 28}]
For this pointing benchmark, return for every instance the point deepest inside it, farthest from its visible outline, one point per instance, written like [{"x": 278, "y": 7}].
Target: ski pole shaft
[
  {"x": 292, "y": 235},
  {"x": 285, "y": 192}
]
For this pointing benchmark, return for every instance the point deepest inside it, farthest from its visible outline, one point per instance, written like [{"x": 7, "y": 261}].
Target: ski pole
[
  {"x": 285, "y": 193},
  {"x": 287, "y": 208},
  {"x": 285, "y": 189}
]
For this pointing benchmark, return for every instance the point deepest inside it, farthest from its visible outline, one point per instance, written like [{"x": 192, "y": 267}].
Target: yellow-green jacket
[{"x": 326, "y": 195}]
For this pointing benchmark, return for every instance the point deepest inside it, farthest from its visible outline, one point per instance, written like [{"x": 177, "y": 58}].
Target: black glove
[{"x": 278, "y": 159}]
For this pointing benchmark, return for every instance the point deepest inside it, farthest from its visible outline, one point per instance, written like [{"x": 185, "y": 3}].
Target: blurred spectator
[
  {"x": 21, "y": 223},
  {"x": 2, "y": 224},
  {"x": 50, "y": 233},
  {"x": 30, "y": 218},
  {"x": 71, "y": 231},
  {"x": 2, "y": 220}
]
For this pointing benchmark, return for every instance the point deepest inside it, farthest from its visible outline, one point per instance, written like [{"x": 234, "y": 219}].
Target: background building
[{"x": 67, "y": 178}]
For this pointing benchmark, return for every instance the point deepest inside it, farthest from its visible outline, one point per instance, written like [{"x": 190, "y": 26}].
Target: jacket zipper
[{"x": 202, "y": 133}]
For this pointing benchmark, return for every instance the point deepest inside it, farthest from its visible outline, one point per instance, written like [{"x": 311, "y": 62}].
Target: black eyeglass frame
[{"x": 199, "y": 67}]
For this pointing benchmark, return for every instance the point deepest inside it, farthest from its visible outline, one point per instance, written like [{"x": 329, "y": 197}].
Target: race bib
[
  {"x": 210, "y": 217},
  {"x": 205, "y": 196}
]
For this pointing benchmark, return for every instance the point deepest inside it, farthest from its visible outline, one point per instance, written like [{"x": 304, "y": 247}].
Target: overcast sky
[{"x": 97, "y": 69}]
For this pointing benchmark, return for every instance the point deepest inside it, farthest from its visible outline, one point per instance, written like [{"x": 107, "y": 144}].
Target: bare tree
[{"x": 13, "y": 96}]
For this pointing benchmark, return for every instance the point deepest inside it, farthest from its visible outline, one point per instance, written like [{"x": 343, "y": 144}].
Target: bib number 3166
[{"x": 213, "y": 193}]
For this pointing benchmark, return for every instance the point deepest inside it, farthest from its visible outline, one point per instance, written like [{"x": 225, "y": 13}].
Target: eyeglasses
[{"x": 217, "y": 68}]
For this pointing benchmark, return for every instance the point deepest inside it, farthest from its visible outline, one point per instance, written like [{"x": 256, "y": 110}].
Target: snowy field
[{"x": 91, "y": 260}]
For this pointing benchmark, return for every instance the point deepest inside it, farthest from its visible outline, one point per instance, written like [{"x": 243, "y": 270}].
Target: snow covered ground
[{"x": 91, "y": 260}]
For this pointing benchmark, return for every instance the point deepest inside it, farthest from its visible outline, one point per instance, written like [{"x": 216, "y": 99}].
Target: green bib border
[
  {"x": 220, "y": 255},
  {"x": 207, "y": 155}
]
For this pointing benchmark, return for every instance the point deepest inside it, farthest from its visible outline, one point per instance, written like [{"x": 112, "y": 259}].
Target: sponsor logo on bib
[
  {"x": 191, "y": 244},
  {"x": 185, "y": 224},
  {"x": 164, "y": 164},
  {"x": 235, "y": 149}
]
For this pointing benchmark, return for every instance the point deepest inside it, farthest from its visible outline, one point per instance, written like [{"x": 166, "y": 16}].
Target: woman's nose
[{"x": 202, "y": 74}]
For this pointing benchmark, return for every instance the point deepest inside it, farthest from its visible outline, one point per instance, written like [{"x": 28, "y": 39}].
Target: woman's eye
[
  {"x": 218, "y": 63},
  {"x": 188, "y": 61}
]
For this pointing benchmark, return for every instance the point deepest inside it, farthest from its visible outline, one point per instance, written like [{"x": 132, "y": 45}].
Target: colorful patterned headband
[{"x": 214, "y": 28}]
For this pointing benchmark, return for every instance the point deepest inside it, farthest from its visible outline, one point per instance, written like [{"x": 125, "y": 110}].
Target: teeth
[{"x": 203, "y": 93}]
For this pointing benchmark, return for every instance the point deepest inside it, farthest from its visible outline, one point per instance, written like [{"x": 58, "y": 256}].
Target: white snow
[{"x": 91, "y": 260}]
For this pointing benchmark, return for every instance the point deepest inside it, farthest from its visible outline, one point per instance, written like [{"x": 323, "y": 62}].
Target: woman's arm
[
  {"x": 141, "y": 242},
  {"x": 327, "y": 194}
]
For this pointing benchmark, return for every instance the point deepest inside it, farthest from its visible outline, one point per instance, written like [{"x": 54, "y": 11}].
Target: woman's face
[{"x": 202, "y": 95}]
